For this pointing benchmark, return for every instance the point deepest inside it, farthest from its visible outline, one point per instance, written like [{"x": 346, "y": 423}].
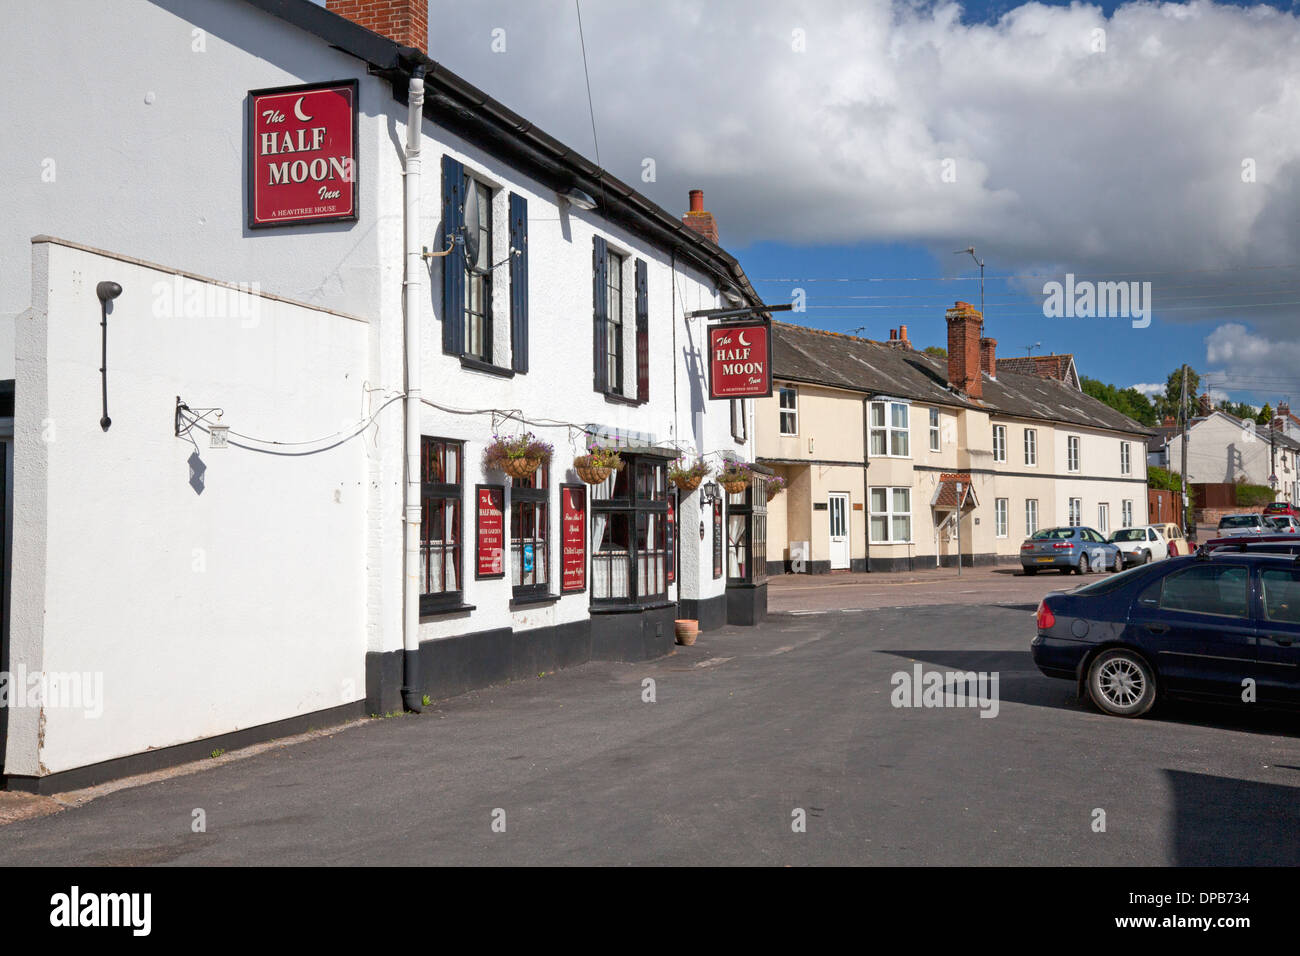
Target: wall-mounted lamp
[
  {"x": 576, "y": 197},
  {"x": 107, "y": 292},
  {"x": 710, "y": 492}
]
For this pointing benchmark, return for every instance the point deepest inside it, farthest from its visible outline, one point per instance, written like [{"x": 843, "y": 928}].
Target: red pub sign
[
  {"x": 490, "y": 541},
  {"x": 302, "y": 154},
  {"x": 573, "y": 537},
  {"x": 740, "y": 360}
]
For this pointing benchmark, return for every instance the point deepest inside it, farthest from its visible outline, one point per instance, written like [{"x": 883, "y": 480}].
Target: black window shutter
[
  {"x": 600, "y": 312},
  {"x": 518, "y": 283},
  {"x": 642, "y": 333},
  {"x": 453, "y": 265}
]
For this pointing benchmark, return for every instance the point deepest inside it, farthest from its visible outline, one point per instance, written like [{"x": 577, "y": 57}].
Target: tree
[
  {"x": 1168, "y": 404},
  {"x": 1265, "y": 416},
  {"x": 1128, "y": 401},
  {"x": 1163, "y": 480},
  {"x": 936, "y": 350}
]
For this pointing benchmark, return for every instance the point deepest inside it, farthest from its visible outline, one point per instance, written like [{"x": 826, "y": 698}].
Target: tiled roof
[
  {"x": 845, "y": 361},
  {"x": 945, "y": 495},
  {"x": 1038, "y": 366}
]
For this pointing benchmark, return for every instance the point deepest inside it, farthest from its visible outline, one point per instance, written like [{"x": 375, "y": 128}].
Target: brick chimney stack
[
  {"x": 403, "y": 21},
  {"x": 700, "y": 219},
  {"x": 964, "y": 326},
  {"x": 988, "y": 357},
  {"x": 1284, "y": 410},
  {"x": 902, "y": 337}
]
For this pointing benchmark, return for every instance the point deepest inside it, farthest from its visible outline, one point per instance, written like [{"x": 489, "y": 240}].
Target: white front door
[{"x": 839, "y": 505}]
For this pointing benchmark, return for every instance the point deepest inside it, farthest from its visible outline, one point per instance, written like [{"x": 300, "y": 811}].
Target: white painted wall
[{"x": 204, "y": 612}]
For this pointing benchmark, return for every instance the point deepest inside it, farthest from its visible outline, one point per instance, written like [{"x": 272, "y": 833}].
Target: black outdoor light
[
  {"x": 709, "y": 493},
  {"x": 107, "y": 292}
]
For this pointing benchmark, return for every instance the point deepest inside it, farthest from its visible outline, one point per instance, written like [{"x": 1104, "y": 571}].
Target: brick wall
[{"x": 405, "y": 21}]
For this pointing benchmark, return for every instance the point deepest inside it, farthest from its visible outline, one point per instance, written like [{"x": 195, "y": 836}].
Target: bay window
[
  {"x": 889, "y": 430},
  {"x": 891, "y": 515}
]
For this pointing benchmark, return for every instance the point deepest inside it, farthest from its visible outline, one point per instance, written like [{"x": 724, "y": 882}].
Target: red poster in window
[
  {"x": 302, "y": 154},
  {"x": 670, "y": 539},
  {"x": 740, "y": 360},
  {"x": 491, "y": 542},
  {"x": 573, "y": 538}
]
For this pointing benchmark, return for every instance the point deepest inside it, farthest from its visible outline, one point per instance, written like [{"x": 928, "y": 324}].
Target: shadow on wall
[
  {"x": 197, "y": 472},
  {"x": 695, "y": 372}
]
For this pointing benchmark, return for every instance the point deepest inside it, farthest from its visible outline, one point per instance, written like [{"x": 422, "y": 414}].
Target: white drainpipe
[{"x": 412, "y": 693}]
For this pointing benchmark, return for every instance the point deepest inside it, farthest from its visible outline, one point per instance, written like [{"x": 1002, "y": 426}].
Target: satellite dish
[{"x": 471, "y": 226}]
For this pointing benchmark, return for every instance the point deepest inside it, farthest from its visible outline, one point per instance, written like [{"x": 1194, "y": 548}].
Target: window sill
[
  {"x": 617, "y": 398},
  {"x": 630, "y": 608},
  {"x": 529, "y": 600},
  {"x": 474, "y": 365},
  {"x": 439, "y": 610}
]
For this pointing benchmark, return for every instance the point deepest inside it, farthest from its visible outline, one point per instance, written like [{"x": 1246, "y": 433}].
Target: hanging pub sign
[
  {"x": 573, "y": 538},
  {"x": 740, "y": 359},
  {"x": 490, "y": 542},
  {"x": 302, "y": 154}
]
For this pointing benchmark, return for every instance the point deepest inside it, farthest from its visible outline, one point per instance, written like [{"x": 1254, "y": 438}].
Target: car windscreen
[
  {"x": 1130, "y": 534},
  {"x": 1238, "y": 521},
  {"x": 1052, "y": 534}
]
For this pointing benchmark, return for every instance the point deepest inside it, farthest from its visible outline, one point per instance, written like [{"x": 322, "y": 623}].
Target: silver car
[{"x": 1232, "y": 526}]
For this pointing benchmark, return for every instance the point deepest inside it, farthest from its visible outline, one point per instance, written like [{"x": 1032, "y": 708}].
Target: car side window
[
  {"x": 1151, "y": 535},
  {"x": 1207, "y": 589},
  {"x": 1281, "y": 594}
]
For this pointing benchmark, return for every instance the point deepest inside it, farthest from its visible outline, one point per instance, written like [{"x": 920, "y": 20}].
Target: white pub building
[{"x": 289, "y": 315}]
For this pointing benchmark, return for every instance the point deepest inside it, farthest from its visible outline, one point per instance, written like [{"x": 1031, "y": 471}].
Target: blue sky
[{"x": 868, "y": 139}]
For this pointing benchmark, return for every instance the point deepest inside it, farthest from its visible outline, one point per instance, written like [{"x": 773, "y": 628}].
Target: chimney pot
[
  {"x": 902, "y": 335},
  {"x": 698, "y": 219},
  {"x": 893, "y": 334}
]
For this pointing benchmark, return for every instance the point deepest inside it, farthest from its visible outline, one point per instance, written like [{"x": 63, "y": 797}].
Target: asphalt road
[{"x": 747, "y": 727}]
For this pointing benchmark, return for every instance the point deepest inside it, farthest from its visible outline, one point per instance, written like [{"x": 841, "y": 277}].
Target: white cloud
[
  {"x": 1122, "y": 161},
  {"x": 1149, "y": 389},
  {"x": 1242, "y": 360}
]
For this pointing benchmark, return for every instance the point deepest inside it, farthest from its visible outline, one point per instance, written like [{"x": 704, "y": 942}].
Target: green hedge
[{"x": 1253, "y": 496}]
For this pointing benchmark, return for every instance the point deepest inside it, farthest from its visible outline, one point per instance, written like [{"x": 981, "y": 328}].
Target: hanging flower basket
[
  {"x": 687, "y": 477},
  {"x": 597, "y": 465},
  {"x": 734, "y": 477},
  {"x": 775, "y": 485},
  {"x": 518, "y": 456}
]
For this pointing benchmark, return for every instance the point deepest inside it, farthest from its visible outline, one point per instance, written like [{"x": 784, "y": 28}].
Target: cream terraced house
[{"x": 874, "y": 439}]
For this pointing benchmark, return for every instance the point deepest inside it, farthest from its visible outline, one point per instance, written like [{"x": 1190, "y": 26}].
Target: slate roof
[{"x": 831, "y": 358}]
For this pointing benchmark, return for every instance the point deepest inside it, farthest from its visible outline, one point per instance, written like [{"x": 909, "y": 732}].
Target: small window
[
  {"x": 1031, "y": 516},
  {"x": 1072, "y": 453},
  {"x": 530, "y": 533},
  {"x": 738, "y": 420},
  {"x": 1213, "y": 589},
  {"x": 478, "y": 278},
  {"x": 1000, "y": 509},
  {"x": 1126, "y": 512},
  {"x": 1125, "y": 459},
  {"x": 789, "y": 400},
  {"x": 999, "y": 442},
  {"x": 1031, "y": 446},
  {"x": 614, "y": 317},
  {"x": 934, "y": 429},
  {"x": 1103, "y": 517},
  {"x": 1076, "y": 511},
  {"x": 440, "y": 523}
]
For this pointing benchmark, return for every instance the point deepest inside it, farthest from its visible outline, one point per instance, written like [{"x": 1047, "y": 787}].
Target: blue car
[
  {"x": 1217, "y": 625},
  {"x": 1071, "y": 548}
]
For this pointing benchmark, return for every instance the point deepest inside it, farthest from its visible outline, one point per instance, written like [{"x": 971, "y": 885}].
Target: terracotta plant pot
[
  {"x": 520, "y": 467},
  {"x": 591, "y": 474},
  {"x": 687, "y": 631}
]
